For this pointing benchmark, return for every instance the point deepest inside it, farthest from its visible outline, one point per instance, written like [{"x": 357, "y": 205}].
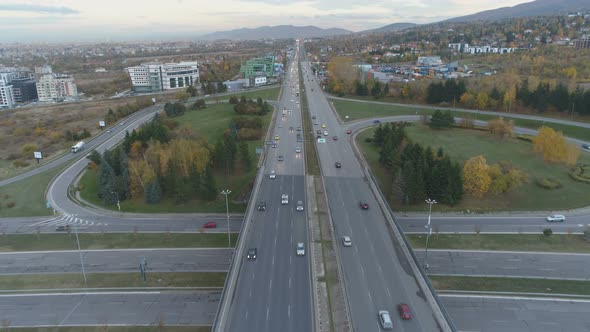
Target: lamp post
[
  {"x": 118, "y": 202},
  {"x": 430, "y": 202},
  {"x": 226, "y": 193}
]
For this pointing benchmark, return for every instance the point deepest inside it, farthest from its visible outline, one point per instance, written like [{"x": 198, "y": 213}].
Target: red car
[
  {"x": 349, "y": 131},
  {"x": 210, "y": 224},
  {"x": 364, "y": 205},
  {"x": 404, "y": 311}
]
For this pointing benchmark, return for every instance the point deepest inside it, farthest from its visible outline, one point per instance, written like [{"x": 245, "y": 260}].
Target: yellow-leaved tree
[
  {"x": 554, "y": 148},
  {"x": 476, "y": 177},
  {"x": 501, "y": 128}
]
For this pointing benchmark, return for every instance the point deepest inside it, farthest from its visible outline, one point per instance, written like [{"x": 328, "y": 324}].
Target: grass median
[
  {"x": 39, "y": 242},
  {"x": 507, "y": 242},
  {"x": 517, "y": 285},
  {"x": 111, "y": 280}
]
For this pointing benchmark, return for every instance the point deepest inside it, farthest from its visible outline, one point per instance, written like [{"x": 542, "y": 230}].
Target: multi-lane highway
[{"x": 273, "y": 291}]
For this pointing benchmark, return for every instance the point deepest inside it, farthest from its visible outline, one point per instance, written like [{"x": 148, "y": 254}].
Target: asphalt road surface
[
  {"x": 505, "y": 314},
  {"x": 121, "y": 308},
  {"x": 273, "y": 292},
  {"x": 115, "y": 261},
  {"x": 377, "y": 274}
]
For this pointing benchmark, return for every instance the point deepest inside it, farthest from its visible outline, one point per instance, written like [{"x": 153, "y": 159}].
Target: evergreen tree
[
  {"x": 376, "y": 90},
  {"x": 182, "y": 190},
  {"x": 153, "y": 192},
  {"x": 455, "y": 186},
  {"x": 386, "y": 90},
  {"x": 245, "y": 156},
  {"x": 219, "y": 154},
  {"x": 209, "y": 185},
  {"x": 195, "y": 182},
  {"x": 94, "y": 156},
  {"x": 106, "y": 183},
  {"x": 124, "y": 192}
]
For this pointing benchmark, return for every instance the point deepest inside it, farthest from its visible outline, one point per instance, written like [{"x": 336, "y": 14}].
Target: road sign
[
  {"x": 48, "y": 205},
  {"x": 38, "y": 155},
  {"x": 321, "y": 140},
  {"x": 259, "y": 150}
]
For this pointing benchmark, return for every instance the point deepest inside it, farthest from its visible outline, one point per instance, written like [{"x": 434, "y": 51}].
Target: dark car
[
  {"x": 349, "y": 131},
  {"x": 63, "y": 228},
  {"x": 338, "y": 164},
  {"x": 335, "y": 138},
  {"x": 586, "y": 146},
  {"x": 262, "y": 206},
  {"x": 376, "y": 121},
  {"x": 210, "y": 224},
  {"x": 319, "y": 132},
  {"x": 364, "y": 205},
  {"x": 281, "y": 158},
  {"x": 251, "y": 254},
  {"x": 313, "y": 117},
  {"x": 404, "y": 311},
  {"x": 298, "y": 128}
]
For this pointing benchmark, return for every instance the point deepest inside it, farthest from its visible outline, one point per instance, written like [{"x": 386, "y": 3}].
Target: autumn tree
[
  {"x": 342, "y": 74},
  {"x": 28, "y": 149},
  {"x": 476, "y": 178},
  {"x": 501, "y": 128},
  {"x": 554, "y": 148}
]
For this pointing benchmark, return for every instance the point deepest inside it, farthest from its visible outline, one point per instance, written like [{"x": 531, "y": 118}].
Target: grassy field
[
  {"x": 112, "y": 280},
  {"x": 209, "y": 123},
  {"x": 357, "y": 110},
  {"x": 508, "y": 242},
  {"x": 107, "y": 328},
  {"x": 38, "y": 242},
  {"x": 519, "y": 285},
  {"x": 528, "y": 197},
  {"x": 265, "y": 94},
  {"x": 26, "y": 198}
]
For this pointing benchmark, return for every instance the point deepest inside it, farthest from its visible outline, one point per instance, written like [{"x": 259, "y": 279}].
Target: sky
[{"x": 112, "y": 20}]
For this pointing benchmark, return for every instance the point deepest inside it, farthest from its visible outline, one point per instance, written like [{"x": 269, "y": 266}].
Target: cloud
[{"x": 37, "y": 9}]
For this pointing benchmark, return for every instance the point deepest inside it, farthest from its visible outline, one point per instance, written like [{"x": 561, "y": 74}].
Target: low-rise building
[
  {"x": 56, "y": 88},
  {"x": 156, "y": 77},
  {"x": 258, "y": 67}
]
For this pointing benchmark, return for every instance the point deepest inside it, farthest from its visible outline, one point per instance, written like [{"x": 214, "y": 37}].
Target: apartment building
[
  {"x": 6, "y": 95},
  {"x": 156, "y": 77},
  {"x": 56, "y": 88},
  {"x": 25, "y": 89}
]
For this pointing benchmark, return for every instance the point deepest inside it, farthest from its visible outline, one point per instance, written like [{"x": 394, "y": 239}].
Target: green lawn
[
  {"x": 107, "y": 328},
  {"x": 508, "y": 242},
  {"x": 38, "y": 242},
  {"x": 461, "y": 144},
  {"x": 357, "y": 110},
  {"x": 482, "y": 284},
  {"x": 27, "y": 197},
  {"x": 209, "y": 123},
  {"x": 112, "y": 280}
]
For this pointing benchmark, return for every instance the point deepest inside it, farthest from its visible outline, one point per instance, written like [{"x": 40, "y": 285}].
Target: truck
[
  {"x": 284, "y": 112},
  {"x": 78, "y": 147}
]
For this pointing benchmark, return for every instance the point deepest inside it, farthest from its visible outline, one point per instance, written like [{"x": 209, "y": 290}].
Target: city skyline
[{"x": 109, "y": 20}]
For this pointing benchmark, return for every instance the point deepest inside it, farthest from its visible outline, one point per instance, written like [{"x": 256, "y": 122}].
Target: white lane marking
[
  {"x": 267, "y": 312},
  {"x": 289, "y": 311},
  {"x": 524, "y": 298},
  {"x": 289, "y": 282}
]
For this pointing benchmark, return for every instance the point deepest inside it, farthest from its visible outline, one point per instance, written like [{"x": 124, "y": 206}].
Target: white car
[
  {"x": 272, "y": 174},
  {"x": 556, "y": 217},
  {"x": 299, "y": 206},
  {"x": 300, "y": 249},
  {"x": 385, "y": 320},
  {"x": 285, "y": 199},
  {"x": 298, "y": 149},
  {"x": 346, "y": 241},
  {"x": 325, "y": 133}
]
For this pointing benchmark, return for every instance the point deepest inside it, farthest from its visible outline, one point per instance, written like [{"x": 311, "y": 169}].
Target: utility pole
[
  {"x": 226, "y": 193},
  {"x": 430, "y": 202}
]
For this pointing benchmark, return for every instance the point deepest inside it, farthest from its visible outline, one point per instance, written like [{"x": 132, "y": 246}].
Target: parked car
[
  {"x": 556, "y": 218},
  {"x": 325, "y": 133},
  {"x": 210, "y": 224},
  {"x": 335, "y": 138},
  {"x": 364, "y": 205},
  {"x": 313, "y": 117},
  {"x": 277, "y": 137},
  {"x": 251, "y": 254},
  {"x": 319, "y": 132},
  {"x": 323, "y": 125},
  {"x": 298, "y": 149},
  {"x": 404, "y": 311}
]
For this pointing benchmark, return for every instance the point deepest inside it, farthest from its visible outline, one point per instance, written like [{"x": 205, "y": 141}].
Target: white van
[{"x": 385, "y": 320}]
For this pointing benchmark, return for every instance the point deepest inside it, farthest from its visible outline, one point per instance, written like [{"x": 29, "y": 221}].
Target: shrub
[
  {"x": 10, "y": 205},
  {"x": 20, "y": 163},
  {"x": 587, "y": 234},
  {"x": 525, "y": 138},
  {"x": 547, "y": 232},
  {"x": 369, "y": 140},
  {"x": 548, "y": 183},
  {"x": 581, "y": 174}
]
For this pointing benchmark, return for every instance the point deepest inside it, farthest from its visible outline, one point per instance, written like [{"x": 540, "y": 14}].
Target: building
[
  {"x": 156, "y": 77},
  {"x": 6, "y": 95},
  {"x": 25, "y": 89},
  {"x": 43, "y": 70},
  {"x": 583, "y": 42},
  {"x": 258, "y": 67},
  {"x": 429, "y": 61},
  {"x": 56, "y": 88}
]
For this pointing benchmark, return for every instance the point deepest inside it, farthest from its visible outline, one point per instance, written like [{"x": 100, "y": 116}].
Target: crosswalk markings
[{"x": 67, "y": 219}]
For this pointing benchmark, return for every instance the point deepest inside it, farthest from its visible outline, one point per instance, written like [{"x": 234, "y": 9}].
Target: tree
[
  {"x": 476, "y": 179},
  {"x": 440, "y": 120},
  {"x": 554, "y": 148},
  {"x": 245, "y": 156},
  {"x": 28, "y": 149},
  {"x": 106, "y": 183},
  {"x": 209, "y": 185},
  {"x": 482, "y": 100},
  {"x": 509, "y": 98},
  {"x": 501, "y": 128},
  {"x": 182, "y": 95},
  {"x": 153, "y": 192}
]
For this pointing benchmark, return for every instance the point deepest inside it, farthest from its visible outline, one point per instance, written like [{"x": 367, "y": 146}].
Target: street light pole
[
  {"x": 118, "y": 202},
  {"x": 428, "y": 230},
  {"x": 226, "y": 193}
]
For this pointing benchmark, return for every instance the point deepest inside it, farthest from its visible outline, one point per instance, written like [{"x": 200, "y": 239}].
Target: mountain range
[{"x": 533, "y": 8}]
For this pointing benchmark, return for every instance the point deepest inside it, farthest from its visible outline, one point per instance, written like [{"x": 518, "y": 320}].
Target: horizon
[{"x": 83, "y": 21}]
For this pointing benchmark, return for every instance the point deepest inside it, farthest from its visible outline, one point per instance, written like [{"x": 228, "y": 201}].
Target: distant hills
[
  {"x": 275, "y": 32},
  {"x": 534, "y": 8},
  {"x": 391, "y": 28}
]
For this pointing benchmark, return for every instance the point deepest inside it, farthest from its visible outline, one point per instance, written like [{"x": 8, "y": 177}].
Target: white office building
[
  {"x": 56, "y": 88},
  {"x": 155, "y": 77},
  {"x": 6, "y": 95}
]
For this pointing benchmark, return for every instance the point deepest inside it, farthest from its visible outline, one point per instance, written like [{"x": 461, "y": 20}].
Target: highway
[
  {"x": 377, "y": 273},
  {"x": 273, "y": 292},
  {"x": 186, "y": 307},
  {"x": 114, "y": 261}
]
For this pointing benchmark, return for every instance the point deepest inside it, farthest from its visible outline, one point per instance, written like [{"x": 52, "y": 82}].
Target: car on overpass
[{"x": 338, "y": 164}]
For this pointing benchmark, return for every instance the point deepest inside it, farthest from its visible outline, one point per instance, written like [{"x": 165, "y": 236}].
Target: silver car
[{"x": 300, "y": 249}]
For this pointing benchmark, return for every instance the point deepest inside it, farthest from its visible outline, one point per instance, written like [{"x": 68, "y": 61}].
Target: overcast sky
[{"x": 102, "y": 20}]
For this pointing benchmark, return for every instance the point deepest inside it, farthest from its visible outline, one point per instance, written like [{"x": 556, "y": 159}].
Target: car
[
  {"x": 556, "y": 217},
  {"x": 319, "y": 132},
  {"x": 313, "y": 117},
  {"x": 323, "y": 125},
  {"x": 210, "y": 224},
  {"x": 272, "y": 174},
  {"x": 285, "y": 199},
  {"x": 251, "y": 254},
  {"x": 300, "y": 249},
  {"x": 274, "y": 145},
  {"x": 385, "y": 320},
  {"x": 262, "y": 206},
  {"x": 586, "y": 146},
  {"x": 280, "y": 125},
  {"x": 338, "y": 164},
  {"x": 277, "y": 137},
  {"x": 346, "y": 241},
  {"x": 325, "y": 133},
  {"x": 299, "y": 206},
  {"x": 280, "y": 158},
  {"x": 291, "y": 129},
  {"x": 318, "y": 136},
  {"x": 376, "y": 121},
  {"x": 364, "y": 205},
  {"x": 335, "y": 138},
  {"x": 349, "y": 131},
  {"x": 63, "y": 228},
  {"x": 316, "y": 123},
  {"x": 298, "y": 149},
  {"x": 404, "y": 311},
  {"x": 299, "y": 128}
]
